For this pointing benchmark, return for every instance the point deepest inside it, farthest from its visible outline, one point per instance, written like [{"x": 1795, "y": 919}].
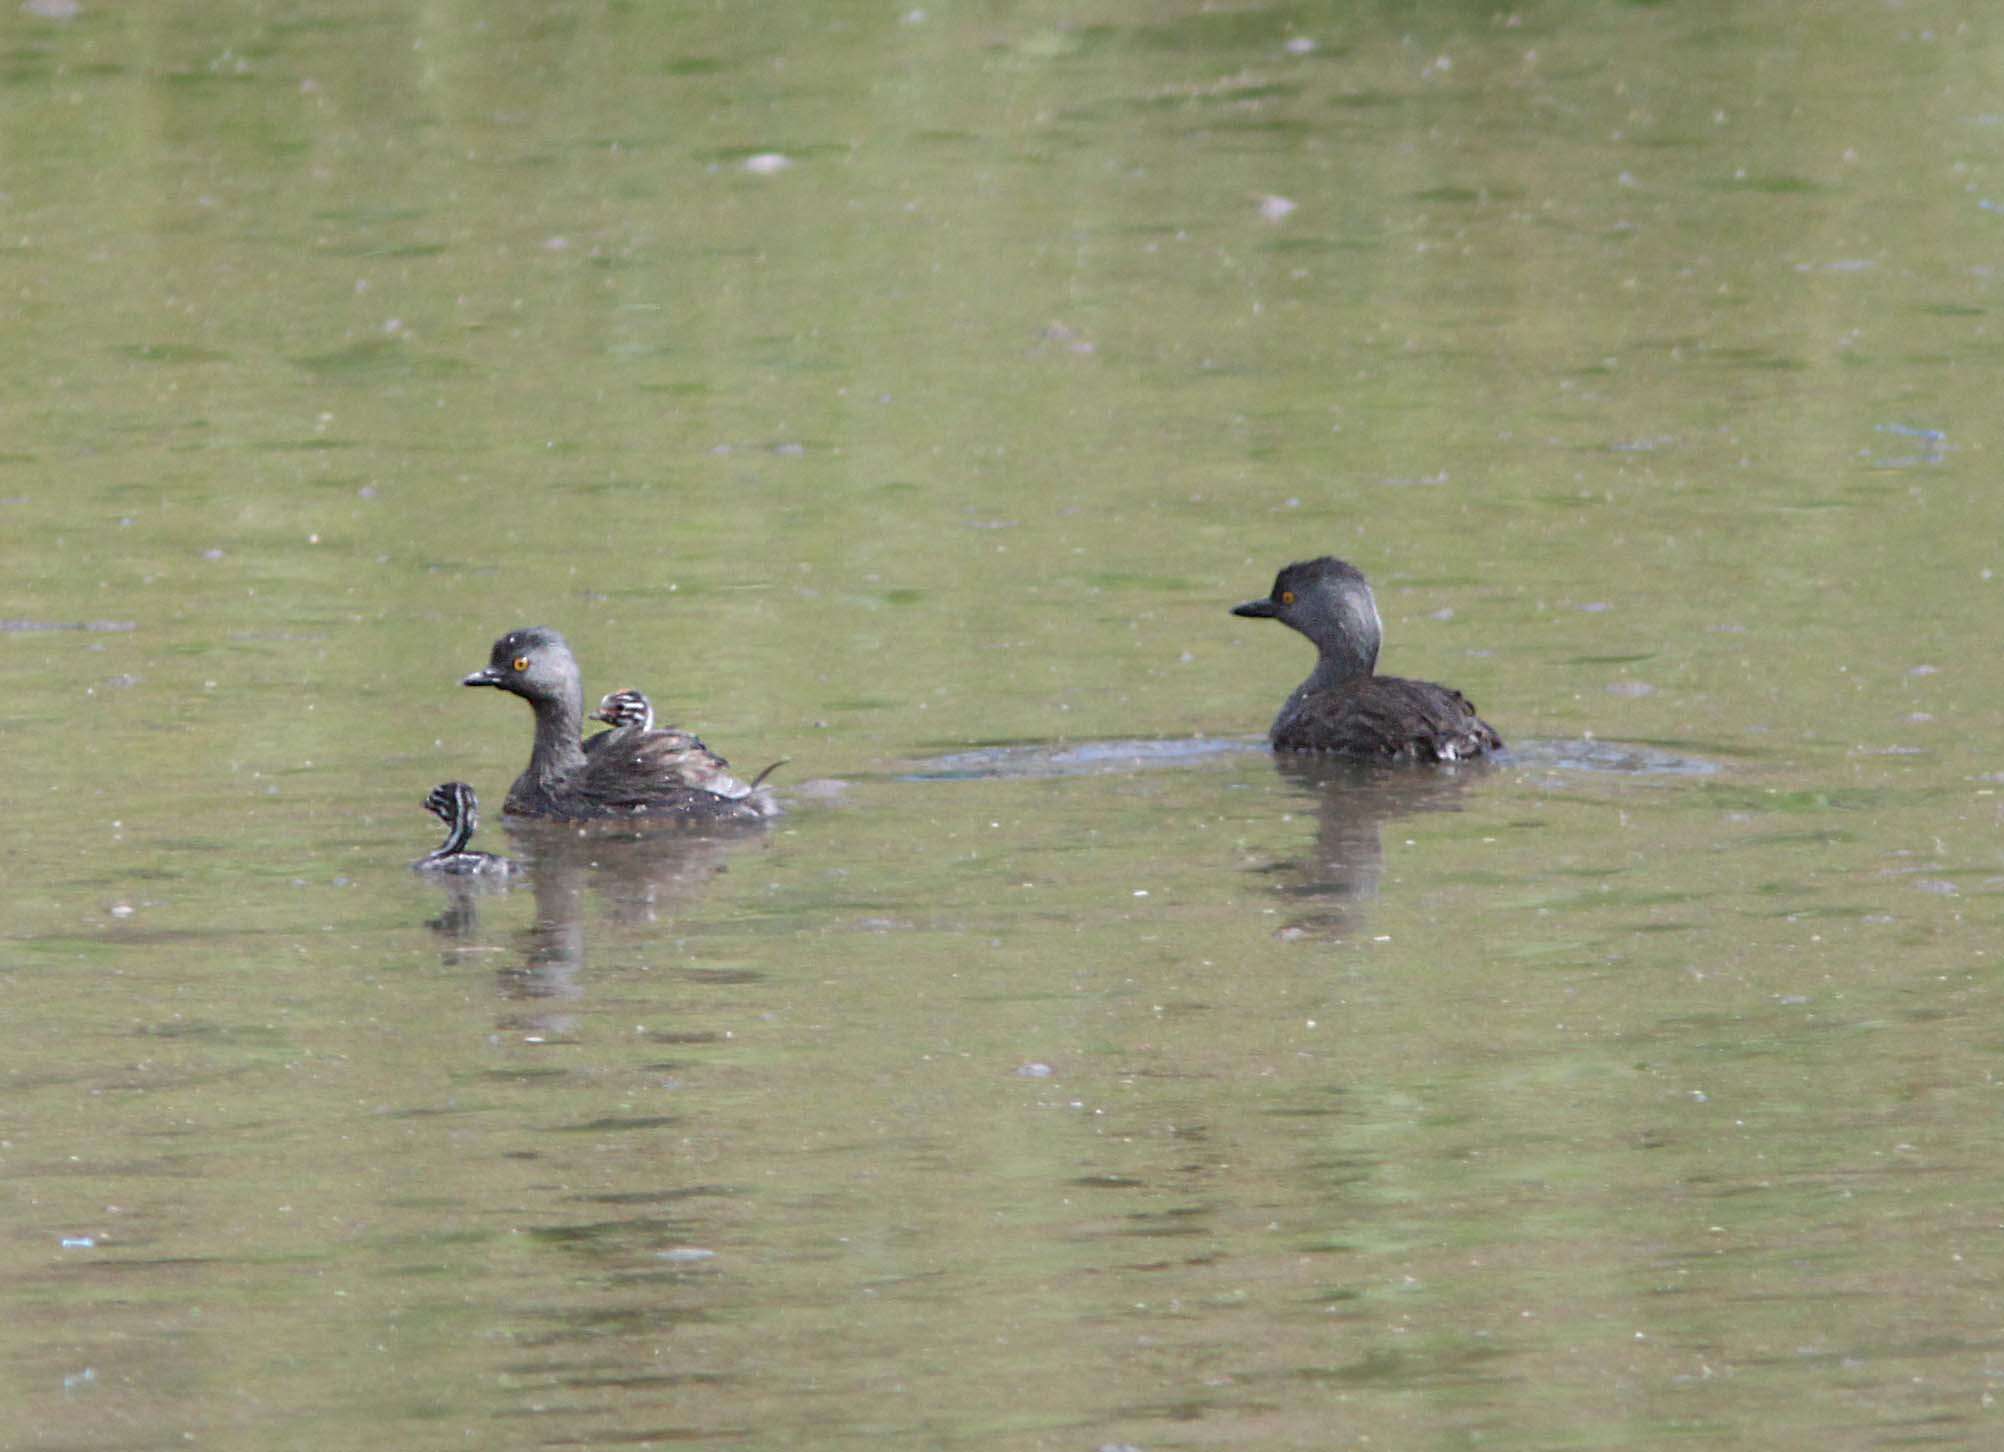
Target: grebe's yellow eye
[
  {"x": 1286, "y": 598},
  {"x": 521, "y": 662}
]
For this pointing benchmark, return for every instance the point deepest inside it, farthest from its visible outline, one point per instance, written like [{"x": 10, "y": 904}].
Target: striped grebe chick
[{"x": 454, "y": 804}]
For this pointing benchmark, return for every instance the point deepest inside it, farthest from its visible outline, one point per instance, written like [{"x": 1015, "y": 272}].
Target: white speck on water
[
  {"x": 1141, "y": 892},
  {"x": 767, "y": 163},
  {"x": 1937, "y": 886},
  {"x": 1299, "y": 45},
  {"x": 1035, "y": 1069},
  {"x": 212, "y": 554},
  {"x": 1630, "y": 688},
  {"x": 1275, "y": 208},
  {"x": 684, "y": 1253},
  {"x": 1924, "y": 670},
  {"x": 79, "y": 1242},
  {"x": 121, "y": 909}
]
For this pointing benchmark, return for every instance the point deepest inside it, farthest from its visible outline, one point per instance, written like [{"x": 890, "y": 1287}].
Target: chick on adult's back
[
  {"x": 641, "y": 773},
  {"x": 1346, "y": 708},
  {"x": 631, "y": 715}
]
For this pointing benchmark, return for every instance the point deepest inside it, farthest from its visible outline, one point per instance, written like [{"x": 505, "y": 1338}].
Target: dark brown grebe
[
  {"x": 630, "y": 771},
  {"x": 1344, "y": 707},
  {"x": 454, "y": 804}
]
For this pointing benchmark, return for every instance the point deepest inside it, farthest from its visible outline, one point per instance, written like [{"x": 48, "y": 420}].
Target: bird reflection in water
[
  {"x": 1333, "y": 885},
  {"x": 638, "y": 877}
]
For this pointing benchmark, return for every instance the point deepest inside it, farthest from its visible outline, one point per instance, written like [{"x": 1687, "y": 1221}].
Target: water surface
[{"x": 892, "y": 390}]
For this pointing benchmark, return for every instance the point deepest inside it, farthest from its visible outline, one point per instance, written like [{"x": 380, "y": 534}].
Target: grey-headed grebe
[
  {"x": 626, "y": 772},
  {"x": 1344, "y": 708}
]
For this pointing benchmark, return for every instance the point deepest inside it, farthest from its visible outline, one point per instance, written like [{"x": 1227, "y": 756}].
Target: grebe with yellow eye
[
  {"x": 1344, "y": 707},
  {"x": 631, "y": 771}
]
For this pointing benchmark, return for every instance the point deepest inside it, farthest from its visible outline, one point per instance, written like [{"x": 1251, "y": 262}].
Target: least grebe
[
  {"x": 454, "y": 804},
  {"x": 1344, "y": 707},
  {"x": 625, "y": 773},
  {"x": 631, "y": 715}
]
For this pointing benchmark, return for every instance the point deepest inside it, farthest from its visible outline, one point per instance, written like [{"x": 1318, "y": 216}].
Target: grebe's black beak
[
  {"x": 488, "y": 677},
  {"x": 1252, "y": 610}
]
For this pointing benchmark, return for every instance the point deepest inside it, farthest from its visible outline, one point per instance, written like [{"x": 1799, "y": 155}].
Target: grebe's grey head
[
  {"x": 535, "y": 663},
  {"x": 626, "y": 708},
  {"x": 1331, "y": 603}
]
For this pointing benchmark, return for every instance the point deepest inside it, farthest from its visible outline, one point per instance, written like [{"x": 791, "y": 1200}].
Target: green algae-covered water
[{"x": 909, "y": 392}]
